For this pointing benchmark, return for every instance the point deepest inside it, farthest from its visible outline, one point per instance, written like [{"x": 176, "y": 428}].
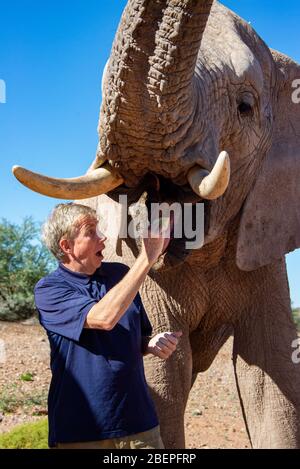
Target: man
[{"x": 98, "y": 332}]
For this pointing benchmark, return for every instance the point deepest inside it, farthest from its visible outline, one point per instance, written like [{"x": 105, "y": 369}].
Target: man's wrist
[{"x": 146, "y": 262}]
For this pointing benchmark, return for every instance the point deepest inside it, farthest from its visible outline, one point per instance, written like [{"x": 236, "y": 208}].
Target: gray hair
[{"x": 62, "y": 223}]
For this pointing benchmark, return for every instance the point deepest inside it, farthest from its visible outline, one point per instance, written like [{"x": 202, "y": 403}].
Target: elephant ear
[{"x": 270, "y": 222}]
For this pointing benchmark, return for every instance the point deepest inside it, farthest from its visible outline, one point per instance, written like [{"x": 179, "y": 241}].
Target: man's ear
[
  {"x": 270, "y": 223},
  {"x": 65, "y": 245}
]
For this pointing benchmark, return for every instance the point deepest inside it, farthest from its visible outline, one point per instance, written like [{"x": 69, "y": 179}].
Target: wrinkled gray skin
[{"x": 186, "y": 80}]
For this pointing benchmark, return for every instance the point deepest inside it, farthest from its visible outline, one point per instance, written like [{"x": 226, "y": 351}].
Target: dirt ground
[{"x": 212, "y": 420}]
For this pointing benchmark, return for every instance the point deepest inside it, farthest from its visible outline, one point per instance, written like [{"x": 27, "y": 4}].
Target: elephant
[{"x": 197, "y": 109}]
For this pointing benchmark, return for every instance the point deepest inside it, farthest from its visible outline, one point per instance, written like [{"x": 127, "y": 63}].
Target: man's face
[{"x": 86, "y": 247}]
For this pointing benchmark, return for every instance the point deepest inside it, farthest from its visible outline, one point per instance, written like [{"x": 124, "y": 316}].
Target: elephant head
[{"x": 187, "y": 84}]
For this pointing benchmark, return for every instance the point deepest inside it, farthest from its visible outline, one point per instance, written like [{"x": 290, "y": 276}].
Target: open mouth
[
  {"x": 165, "y": 201},
  {"x": 189, "y": 221}
]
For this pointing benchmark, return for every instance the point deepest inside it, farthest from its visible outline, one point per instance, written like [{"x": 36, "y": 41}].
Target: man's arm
[{"x": 108, "y": 311}]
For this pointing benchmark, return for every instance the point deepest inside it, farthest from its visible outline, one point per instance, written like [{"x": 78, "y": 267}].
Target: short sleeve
[
  {"x": 62, "y": 309},
  {"x": 146, "y": 328}
]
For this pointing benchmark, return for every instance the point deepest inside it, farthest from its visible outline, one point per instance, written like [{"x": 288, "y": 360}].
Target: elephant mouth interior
[{"x": 154, "y": 190}]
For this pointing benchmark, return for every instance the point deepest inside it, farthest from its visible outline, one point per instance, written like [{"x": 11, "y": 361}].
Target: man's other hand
[{"x": 164, "y": 344}]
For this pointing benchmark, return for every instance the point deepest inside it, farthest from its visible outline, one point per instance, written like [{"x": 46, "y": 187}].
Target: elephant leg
[
  {"x": 268, "y": 381},
  {"x": 170, "y": 384}
]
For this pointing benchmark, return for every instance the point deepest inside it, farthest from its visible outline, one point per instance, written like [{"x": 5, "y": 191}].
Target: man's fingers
[
  {"x": 171, "y": 338},
  {"x": 160, "y": 353},
  {"x": 166, "y": 244},
  {"x": 167, "y": 343},
  {"x": 177, "y": 334}
]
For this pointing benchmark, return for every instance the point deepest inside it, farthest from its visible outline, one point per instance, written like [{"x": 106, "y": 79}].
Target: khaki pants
[{"x": 150, "y": 439}]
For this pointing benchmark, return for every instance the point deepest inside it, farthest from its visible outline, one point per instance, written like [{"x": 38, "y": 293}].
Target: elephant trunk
[
  {"x": 178, "y": 40},
  {"x": 147, "y": 102}
]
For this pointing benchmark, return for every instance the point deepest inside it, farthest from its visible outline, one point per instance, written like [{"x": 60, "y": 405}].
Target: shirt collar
[{"x": 78, "y": 276}]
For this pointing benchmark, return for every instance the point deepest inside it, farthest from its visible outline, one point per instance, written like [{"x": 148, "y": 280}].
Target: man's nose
[{"x": 101, "y": 237}]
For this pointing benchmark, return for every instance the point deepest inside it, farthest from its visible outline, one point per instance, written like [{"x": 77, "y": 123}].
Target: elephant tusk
[
  {"x": 211, "y": 185},
  {"x": 96, "y": 182}
]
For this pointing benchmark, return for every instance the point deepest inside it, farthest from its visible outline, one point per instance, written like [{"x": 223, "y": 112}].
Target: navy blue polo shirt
[{"x": 98, "y": 388}]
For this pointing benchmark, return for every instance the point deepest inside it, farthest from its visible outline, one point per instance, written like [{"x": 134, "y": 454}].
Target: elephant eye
[
  {"x": 246, "y": 104},
  {"x": 245, "y": 109}
]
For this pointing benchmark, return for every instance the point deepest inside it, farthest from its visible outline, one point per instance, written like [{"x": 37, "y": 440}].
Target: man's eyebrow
[{"x": 90, "y": 225}]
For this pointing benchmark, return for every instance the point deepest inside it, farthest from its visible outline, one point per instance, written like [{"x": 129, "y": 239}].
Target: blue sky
[{"x": 51, "y": 57}]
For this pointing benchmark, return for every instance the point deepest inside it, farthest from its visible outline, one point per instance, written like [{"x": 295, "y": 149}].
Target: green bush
[
  {"x": 28, "y": 436},
  {"x": 13, "y": 397},
  {"x": 26, "y": 376},
  {"x": 23, "y": 261}
]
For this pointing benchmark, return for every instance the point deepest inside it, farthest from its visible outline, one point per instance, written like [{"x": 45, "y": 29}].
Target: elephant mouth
[{"x": 159, "y": 197}]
